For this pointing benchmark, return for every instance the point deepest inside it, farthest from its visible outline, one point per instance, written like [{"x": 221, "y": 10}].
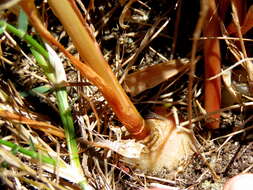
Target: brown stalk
[
  {"x": 124, "y": 14},
  {"x": 212, "y": 58},
  {"x": 96, "y": 70}
]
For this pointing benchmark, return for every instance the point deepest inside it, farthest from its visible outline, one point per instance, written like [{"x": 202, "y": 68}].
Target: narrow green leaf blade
[{"x": 22, "y": 21}]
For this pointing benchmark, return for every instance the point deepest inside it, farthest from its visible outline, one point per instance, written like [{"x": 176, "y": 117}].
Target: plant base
[{"x": 166, "y": 148}]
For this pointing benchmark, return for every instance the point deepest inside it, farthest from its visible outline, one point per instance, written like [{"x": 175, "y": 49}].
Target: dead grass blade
[
  {"x": 42, "y": 126},
  {"x": 15, "y": 161}
]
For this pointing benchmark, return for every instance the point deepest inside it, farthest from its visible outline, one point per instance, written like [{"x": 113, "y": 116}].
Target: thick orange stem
[
  {"x": 212, "y": 58},
  {"x": 97, "y": 70}
]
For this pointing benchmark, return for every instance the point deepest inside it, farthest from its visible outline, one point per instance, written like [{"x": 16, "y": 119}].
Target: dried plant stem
[
  {"x": 248, "y": 65},
  {"x": 196, "y": 36},
  {"x": 43, "y": 126},
  {"x": 241, "y": 10},
  {"x": 97, "y": 70},
  {"x": 212, "y": 58}
]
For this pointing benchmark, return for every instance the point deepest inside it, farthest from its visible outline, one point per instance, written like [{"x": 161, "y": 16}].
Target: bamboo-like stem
[
  {"x": 67, "y": 120},
  {"x": 97, "y": 70},
  {"x": 66, "y": 116},
  {"x": 212, "y": 58}
]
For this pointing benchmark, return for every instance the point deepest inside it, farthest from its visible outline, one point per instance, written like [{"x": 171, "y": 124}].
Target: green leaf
[
  {"x": 4, "y": 164},
  {"x": 15, "y": 149},
  {"x": 38, "y": 90},
  {"x": 32, "y": 147},
  {"x": 2, "y": 27},
  {"x": 22, "y": 21}
]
